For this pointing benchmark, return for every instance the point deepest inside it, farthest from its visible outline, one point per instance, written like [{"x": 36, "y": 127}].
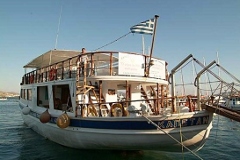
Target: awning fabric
[{"x": 51, "y": 57}]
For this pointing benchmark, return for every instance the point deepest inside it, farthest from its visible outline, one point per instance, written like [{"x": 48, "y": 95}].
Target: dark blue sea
[{"x": 18, "y": 142}]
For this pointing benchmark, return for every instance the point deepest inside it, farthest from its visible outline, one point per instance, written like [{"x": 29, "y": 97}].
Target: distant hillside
[{"x": 8, "y": 94}]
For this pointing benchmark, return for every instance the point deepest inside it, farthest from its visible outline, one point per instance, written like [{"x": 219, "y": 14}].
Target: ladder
[
  {"x": 162, "y": 94},
  {"x": 145, "y": 96},
  {"x": 81, "y": 88},
  {"x": 94, "y": 94}
]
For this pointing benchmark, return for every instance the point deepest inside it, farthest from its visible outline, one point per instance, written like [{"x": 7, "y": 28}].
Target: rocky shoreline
[{"x": 8, "y": 94}]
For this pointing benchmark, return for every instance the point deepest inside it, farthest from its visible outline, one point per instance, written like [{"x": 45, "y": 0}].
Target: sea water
[{"x": 19, "y": 142}]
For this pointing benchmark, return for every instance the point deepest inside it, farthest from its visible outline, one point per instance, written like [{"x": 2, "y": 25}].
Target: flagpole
[
  {"x": 218, "y": 62},
  {"x": 153, "y": 39},
  {"x": 143, "y": 45}
]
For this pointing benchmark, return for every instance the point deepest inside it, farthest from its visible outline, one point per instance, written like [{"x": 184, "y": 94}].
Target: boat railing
[
  {"x": 98, "y": 64},
  {"x": 104, "y": 109}
]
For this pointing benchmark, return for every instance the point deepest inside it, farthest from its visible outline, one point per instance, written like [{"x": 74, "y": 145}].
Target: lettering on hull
[{"x": 183, "y": 122}]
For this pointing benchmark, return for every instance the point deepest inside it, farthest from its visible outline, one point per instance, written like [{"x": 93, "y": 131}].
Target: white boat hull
[
  {"x": 88, "y": 138},
  {"x": 235, "y": 107},
  {"x": 113, "y": 101}
]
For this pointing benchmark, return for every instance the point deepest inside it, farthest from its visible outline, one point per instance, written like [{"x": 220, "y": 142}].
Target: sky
[{"x": 29, "y": 28}]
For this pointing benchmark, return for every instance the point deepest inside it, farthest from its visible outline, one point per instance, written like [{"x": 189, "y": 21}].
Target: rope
[
  {"x": 181, "y": 136},
  {"x": 113, "y": 41},
  {"x": 149, "y": 120}
]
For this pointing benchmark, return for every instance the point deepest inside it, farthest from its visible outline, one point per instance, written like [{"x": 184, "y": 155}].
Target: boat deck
[{"x": 59, "y": 65}]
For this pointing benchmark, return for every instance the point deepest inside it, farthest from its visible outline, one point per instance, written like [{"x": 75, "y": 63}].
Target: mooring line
[{"x": 149, "y": 120}]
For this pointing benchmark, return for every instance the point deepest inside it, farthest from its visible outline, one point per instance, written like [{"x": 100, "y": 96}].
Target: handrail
[{"x": 104, "y": 61}]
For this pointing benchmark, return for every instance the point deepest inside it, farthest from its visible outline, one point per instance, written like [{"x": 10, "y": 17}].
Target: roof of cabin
[
  {"x": 54, "y": 56},
  {"x": 51, "y": 57}
]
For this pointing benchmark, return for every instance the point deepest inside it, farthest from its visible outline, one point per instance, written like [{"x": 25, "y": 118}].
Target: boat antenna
[{"x": 59, "y": 22}]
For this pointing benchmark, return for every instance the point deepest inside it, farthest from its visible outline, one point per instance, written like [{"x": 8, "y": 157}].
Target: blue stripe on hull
[
  {"x": 131, "y": 125},
  {"x": 122, "y": 125},
  {"x": 139, "y": 125}
]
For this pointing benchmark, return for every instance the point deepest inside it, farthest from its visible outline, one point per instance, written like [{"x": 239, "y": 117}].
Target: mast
[
  {"x": 218, "y": 62},
  {"x": 153, "y": 39},
  {"x": 143, "y": 45},
  {"x": 206, "y": 78},
  {"x": 198, "y": 83},
  {"x": 173, "y": 71}
]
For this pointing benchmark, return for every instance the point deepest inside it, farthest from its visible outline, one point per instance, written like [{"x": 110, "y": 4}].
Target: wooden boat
[{"x": 77, "y": 104}]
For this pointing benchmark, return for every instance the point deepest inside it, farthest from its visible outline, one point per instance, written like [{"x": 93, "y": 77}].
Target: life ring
[
  {"x": 32, "y": 78},
  {"x": 116, "y": 110},
  {"x": 92, "y": 111},
  {"x": 63, "y": 121},
  {"x": 52, "y": 74}
]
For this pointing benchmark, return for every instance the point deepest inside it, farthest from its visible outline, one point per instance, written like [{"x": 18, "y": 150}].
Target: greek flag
[{"x": 145, "y": 27}]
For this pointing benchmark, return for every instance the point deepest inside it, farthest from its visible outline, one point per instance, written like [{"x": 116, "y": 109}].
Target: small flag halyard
[{"x": 145, "y": 27}]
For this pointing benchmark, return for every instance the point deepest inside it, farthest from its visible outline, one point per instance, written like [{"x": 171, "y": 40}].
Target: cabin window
[
  {"x": 22, "y": 93},
  {"x": 42, "y": 96},
  {"x": 234, "y": 101},
  {"x": 25, "y": 94},
  {"x": 111, "y": 91},
  {"x": 62, "y": 97},
  {"x": 29, "y": 94}
]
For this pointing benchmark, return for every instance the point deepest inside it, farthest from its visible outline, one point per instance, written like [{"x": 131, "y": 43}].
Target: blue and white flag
[{"x": 145, "y": 27}]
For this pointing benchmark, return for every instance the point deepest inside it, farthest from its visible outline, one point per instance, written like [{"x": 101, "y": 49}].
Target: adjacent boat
[
  {"x": 232, "y": 102},
  {"x": 109, "y": 103}
]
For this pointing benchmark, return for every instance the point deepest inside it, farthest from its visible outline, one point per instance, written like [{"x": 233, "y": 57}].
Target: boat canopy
[
  {"x": 51, "y": 57},
  {"x": 54, "y": 56}
]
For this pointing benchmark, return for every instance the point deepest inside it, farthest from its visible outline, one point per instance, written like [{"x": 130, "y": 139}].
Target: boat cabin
[{"x": 105, "y": 83}]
